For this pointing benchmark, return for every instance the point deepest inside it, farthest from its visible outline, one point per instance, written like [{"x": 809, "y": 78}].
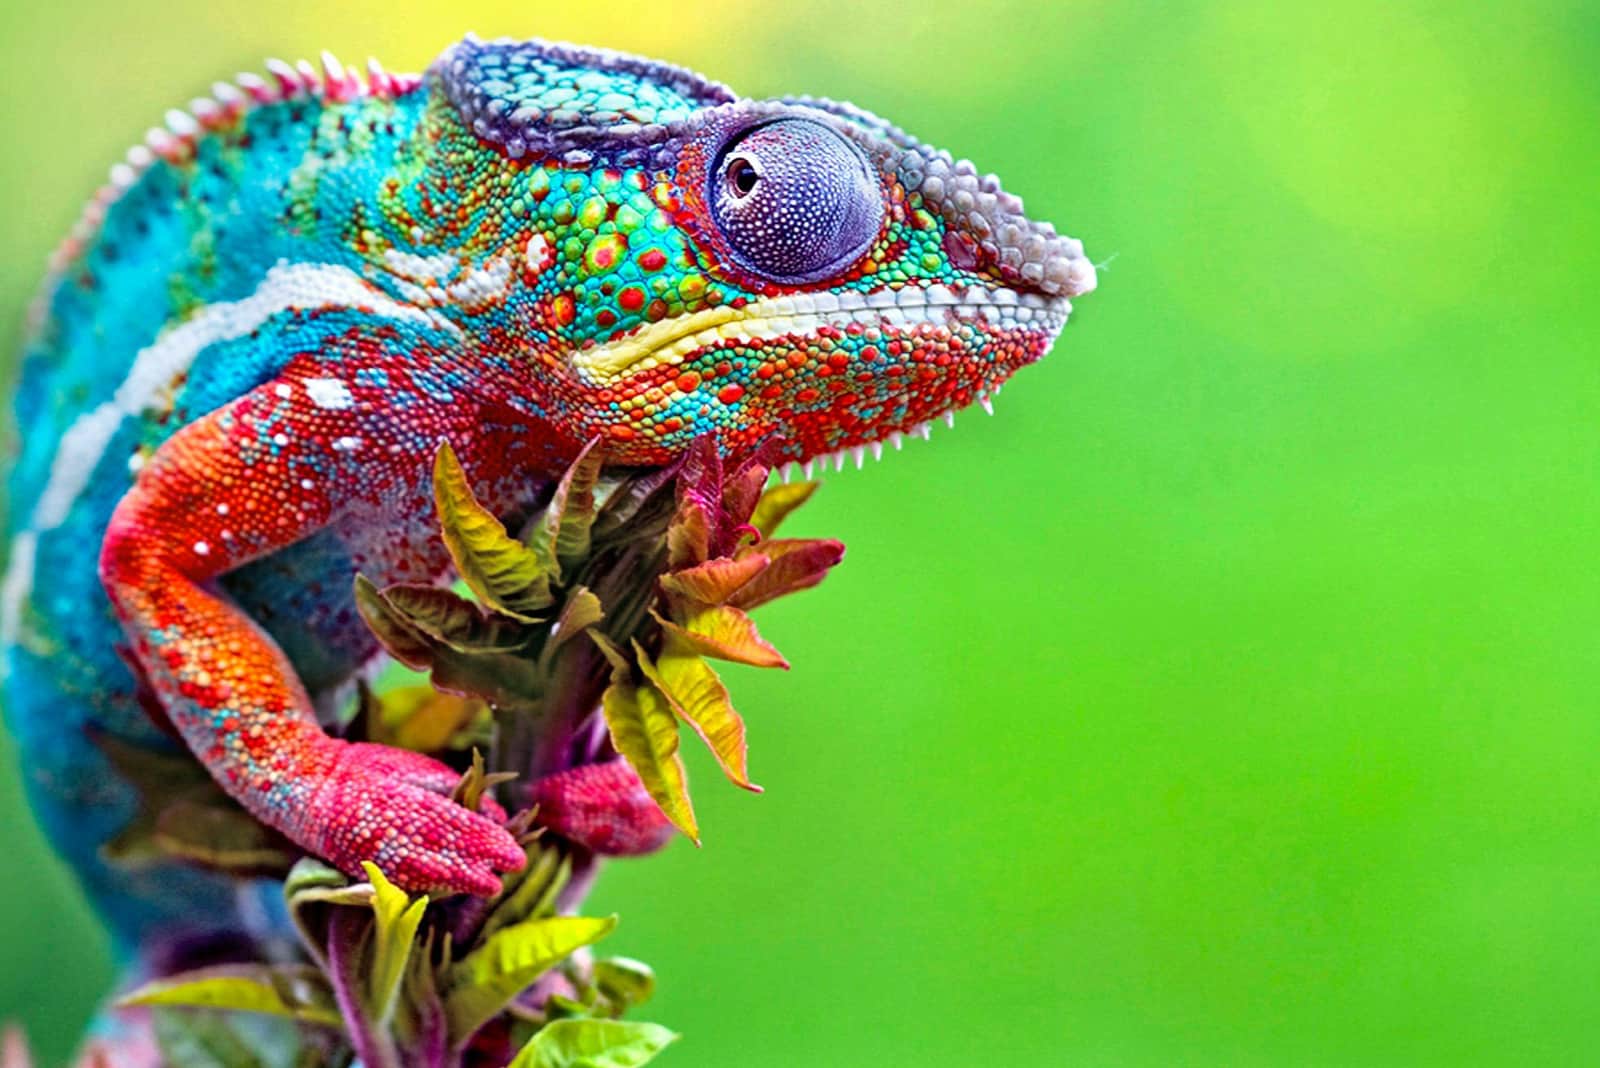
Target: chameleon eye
[{"x": 795, "y": 201}]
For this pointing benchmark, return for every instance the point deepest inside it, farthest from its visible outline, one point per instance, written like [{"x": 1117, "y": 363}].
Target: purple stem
[{"x": 345, "y": 932}]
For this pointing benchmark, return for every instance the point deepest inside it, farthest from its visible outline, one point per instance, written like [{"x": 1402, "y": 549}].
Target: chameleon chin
[{"x": 248, "y": 351}]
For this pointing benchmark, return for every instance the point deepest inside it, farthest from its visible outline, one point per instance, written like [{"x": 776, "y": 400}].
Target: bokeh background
[{"x": 1232, "y": 698}]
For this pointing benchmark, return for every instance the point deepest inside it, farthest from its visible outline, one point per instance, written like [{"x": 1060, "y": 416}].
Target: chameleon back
[{"x": 126, "y": 346}]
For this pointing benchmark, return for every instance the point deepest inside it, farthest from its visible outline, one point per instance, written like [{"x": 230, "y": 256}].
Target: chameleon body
[{"x": 246, "y": 355}]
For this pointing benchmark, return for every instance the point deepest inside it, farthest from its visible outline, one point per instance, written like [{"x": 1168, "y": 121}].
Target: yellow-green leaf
[
  {"x": 582, "y": 611},
  {"x": 726, "y": 633},
  {"x": 697, "y": 695},
  {"x": 776, "y": 504},
  {"x": 624, "y": 982},
  {"x": 477, "y": 781},
  {"x": 298, "y": 993},
  {"x": 645, "y": 731},
  {"x": 423, "y": 719},
  {"x": 714, "y": 581},
  {"x": 508, "y": 962},
  {"x": 581, "y": 1043},
  {"x": 621, "y": 670},
  {"x": 505, "y": 574},
  {"x": 396, "y": 919}
]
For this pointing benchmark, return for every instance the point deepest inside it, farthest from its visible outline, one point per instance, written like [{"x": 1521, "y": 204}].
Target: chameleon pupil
[{"x": 743, "y": 176}]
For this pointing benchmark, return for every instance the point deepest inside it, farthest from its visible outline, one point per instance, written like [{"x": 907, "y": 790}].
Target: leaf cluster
[{"x": 583, "y": 633}]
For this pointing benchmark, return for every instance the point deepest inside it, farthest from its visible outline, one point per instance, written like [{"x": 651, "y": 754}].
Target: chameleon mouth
[{"x": 670, "y": 341}]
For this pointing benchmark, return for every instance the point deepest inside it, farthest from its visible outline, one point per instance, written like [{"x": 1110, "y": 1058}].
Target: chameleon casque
[{"x": 248, "y": 351}]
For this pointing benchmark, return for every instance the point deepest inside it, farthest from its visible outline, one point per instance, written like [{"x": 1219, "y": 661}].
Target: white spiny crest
[
  {"x": 162, "y": 142},
  {"x": 182, "y": 123},
  {"x": 288, "y": 80},
  {"x": 207, "y": 111}
]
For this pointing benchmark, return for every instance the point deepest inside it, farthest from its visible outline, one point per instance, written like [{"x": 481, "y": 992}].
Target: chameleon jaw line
[{"x": 671, "y": 340}]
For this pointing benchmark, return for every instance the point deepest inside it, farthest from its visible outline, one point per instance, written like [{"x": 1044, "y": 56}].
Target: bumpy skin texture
[{"x": 248, "y": 352}]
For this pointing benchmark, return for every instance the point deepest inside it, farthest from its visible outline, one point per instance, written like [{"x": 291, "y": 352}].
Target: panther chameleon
[{"x": 247, "y": 352}]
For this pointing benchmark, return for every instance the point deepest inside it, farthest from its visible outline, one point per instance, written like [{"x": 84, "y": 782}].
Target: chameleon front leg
[{"x": 246, "y": 480}]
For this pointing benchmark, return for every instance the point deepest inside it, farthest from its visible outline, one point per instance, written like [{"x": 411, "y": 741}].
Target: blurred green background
[{"x": 1233, "y": 697}]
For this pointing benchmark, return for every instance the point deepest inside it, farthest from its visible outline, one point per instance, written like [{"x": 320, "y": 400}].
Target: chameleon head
[{"x": 797, "y": 272}]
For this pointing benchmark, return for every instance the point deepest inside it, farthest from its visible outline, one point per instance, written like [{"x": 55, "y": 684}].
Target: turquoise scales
[{"x": 246, "y": 353}]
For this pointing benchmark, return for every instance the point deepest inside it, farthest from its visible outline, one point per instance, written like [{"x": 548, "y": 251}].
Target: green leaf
[
  {"x": 310, "y": 887},
  {"x": 313, "y": 882},
  {"x": 221, "y": 837},
  {"x": 697, "y": 695},
  {"x": 450, "y": 618},
  {"x": 533, "y": 894},
  {"x": 394, "y": 632},
  {"x": 570, "y": 517},
  {"x": 396, "y": 918},
  {"x": 509, "y": 683},
  {"x": 796, "y": 564},
  {"x": 200, "y": 1040},
  {"x": 714, "y": 581},
  {"x": 504, "y": 574},
  {"x": 624, "y": 982},
  {"x": 299, "y": 993},
  {"x": 645, "y": 731},
  {"x": 594, "y": 1044},
  {"x": 726, "y": 633},
  {"x": 508, "y": 962},
  {"x": 776, "y": 504}
]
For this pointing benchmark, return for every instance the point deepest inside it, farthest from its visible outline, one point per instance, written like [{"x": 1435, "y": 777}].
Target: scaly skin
[{"x": 249, "y": 351}]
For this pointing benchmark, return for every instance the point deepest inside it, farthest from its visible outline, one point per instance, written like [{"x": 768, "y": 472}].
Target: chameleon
[{"x": 245, "y": 355}]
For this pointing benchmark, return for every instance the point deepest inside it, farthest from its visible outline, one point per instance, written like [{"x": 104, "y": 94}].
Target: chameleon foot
[
  {"x": 604, "y": 808},
  {"x": 393, "y": 807}
]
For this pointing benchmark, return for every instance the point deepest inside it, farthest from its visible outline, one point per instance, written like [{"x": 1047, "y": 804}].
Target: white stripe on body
[{"x": 286, "y": 287}]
